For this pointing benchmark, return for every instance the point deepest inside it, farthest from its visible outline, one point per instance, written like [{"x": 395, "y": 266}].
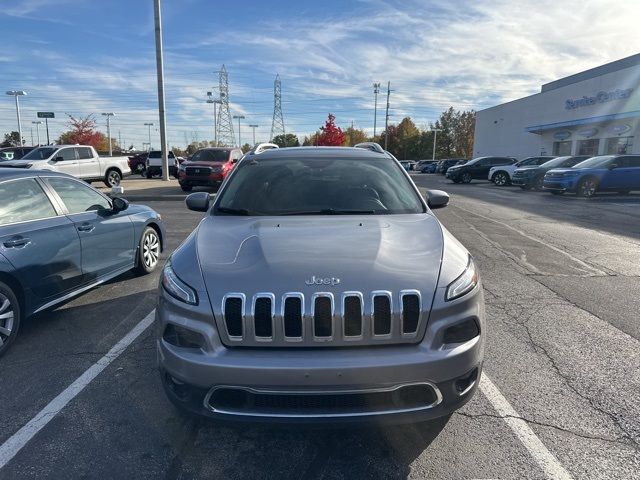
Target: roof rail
[{"x": 373, "y": 146}]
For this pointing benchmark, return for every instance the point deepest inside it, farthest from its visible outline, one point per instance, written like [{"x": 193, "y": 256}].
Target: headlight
[
  {"x": 464, "y": 283},
  {"x": 216, "y": 169},
  {"x": 176, "y": 287},
  {"x": 182, "y": 168},
  {"x": 569, "y": 174}
]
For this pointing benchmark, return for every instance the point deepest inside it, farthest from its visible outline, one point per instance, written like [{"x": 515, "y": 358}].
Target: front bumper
[
  {"x": 190, "y": 375},
  {"x": 522, "y": 181},
  {"x": 558, "y": 185},
  {"x": 212, "y": 180}
]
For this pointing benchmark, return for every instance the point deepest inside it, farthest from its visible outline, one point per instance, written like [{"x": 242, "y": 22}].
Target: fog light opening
[
  {"x": 461, "y": 332},
  {"x": 466, "y": 383},
  {"x": 182, "y": 337}
]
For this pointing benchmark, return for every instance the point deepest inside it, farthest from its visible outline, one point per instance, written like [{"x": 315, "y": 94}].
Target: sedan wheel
[
  {"x": 9, "y": 317},
  {"x": 588, "y": 187},
  {"x": 466, "y": 177},
  {"x": 149, "y": 251},
  {"x": 500, "y": 179}
]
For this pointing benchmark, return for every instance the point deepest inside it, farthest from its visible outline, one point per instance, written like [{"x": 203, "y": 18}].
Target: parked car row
[{"x": 579, "y": 174}]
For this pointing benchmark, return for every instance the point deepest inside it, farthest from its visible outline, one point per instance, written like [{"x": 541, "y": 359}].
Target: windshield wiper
[
  {"x": 233, "y": 211},
  {"x": 330, "y": 211}
]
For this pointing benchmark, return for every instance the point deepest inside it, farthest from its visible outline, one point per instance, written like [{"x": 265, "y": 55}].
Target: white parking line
[
  {"x": 19, "y": 439},
  {"x": 543, "y": 457}
]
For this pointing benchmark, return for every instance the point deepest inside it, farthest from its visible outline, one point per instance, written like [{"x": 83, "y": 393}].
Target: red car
[{"x": 207, "y": 167}]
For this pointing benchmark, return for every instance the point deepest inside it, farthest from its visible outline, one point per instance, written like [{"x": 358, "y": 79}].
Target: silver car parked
[{"x": 320, "y": 287}]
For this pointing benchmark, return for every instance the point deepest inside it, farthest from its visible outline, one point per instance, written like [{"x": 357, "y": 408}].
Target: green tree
[
  {"x": 353, "y": 136},
  {"x": 464, "y": 133},
  {"x": 447, "y": 124},
  {"x": 245, "y": 148},
  {"x": 288, "y": 140},
  {"x": 11, "y": 140}
]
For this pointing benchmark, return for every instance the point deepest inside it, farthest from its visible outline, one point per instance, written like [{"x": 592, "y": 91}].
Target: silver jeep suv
[{"x": 319, "y": 287}]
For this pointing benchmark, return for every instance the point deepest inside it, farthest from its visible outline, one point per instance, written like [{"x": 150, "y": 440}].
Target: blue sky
[{"x": 90, "y": 56}]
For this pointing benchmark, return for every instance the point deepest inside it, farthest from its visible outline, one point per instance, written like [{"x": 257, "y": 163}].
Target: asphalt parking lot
[{"x": 560, "y": 397}]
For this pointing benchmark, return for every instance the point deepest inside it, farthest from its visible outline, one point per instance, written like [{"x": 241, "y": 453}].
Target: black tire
[
  {"x": 587, "y": 187},
  {"x": 500, "y": 178},
  {"x": 9, "y": 307},
  {"x": 140, "y": 168},
  {"x": 186, "y": 188},
  {"x": 525, "y": 187},
  {"x": 149, "y": 174},
  {"x": 148, "y": 251},
  {"x": 466, "y": 177},
  {"x": 557, "y": 192},
  {"x": 112, "y": 178},
  {"x": 455, "y": 180},
  {"x": 538, "y": 184}
]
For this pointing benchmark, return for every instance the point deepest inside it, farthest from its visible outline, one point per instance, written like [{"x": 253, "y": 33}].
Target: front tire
[
  {"x": 587, "y": 187},
  {"x": 112, "y": 178},
  {"x": 148, "y": 251},
  {"x": 9, "y": 317},
  {"x": 500, "y": 179},
  {"x": 557, "y": 192},
  {"x": 525, "y": 187},
  {"x": 466, "y": 177},
  {"x": 186, "y": 188}
]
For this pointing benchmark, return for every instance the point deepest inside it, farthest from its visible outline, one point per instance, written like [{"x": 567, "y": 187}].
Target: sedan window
[
  {"x": 23, "y": 200},
  {"x": 77, "y": 197}
]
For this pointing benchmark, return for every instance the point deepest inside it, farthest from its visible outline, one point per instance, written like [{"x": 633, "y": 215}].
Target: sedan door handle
[
  {"x": 17, "y": 242},
  {"x": 85, "y": 227}
]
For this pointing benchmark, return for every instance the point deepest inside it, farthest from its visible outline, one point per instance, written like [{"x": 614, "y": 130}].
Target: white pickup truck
[{"x": 81, "y": 161}]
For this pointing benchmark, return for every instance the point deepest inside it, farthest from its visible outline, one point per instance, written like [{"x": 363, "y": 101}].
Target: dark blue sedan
[
  {"x": 617, "y": 173},
  {"x": 59, "y": 237}
]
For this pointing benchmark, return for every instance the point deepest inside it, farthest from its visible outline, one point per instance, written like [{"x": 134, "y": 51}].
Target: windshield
[
  {"x": 210, "y": 156},
  {"x": 556, "y": 162},
  {"x": 40, "y": 153},
  {"x": 595, "y": 162},
  {"x": 290, "y": 186}
]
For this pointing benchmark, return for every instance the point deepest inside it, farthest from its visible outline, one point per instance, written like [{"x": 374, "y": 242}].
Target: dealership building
[{"x": 595, "y": 112}]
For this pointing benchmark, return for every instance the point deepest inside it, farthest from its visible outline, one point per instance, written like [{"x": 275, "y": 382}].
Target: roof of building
[{"x": 621, "y": 64}]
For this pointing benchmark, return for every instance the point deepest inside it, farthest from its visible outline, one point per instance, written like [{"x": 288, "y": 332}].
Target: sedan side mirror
[
  {"x": 437, "y": 199},
  {"x": 119, "y": 204},
  {"x": 198, "y": 202}
]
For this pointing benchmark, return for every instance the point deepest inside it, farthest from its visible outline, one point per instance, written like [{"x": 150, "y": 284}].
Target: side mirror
[
  {"x": 437, "y": 199},
  {"x": 612, "y": 166},
  {"x": 234, "y": 160},
  {"x": 59, "y": 158},
  {"x": 119, "y": 204},
  {"x": 198, "y": 202}
]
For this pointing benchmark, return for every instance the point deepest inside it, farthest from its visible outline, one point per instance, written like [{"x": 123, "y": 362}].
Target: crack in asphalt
[
  {"x": 617, "y": 441},
  {"x": 538, "y": 348}
]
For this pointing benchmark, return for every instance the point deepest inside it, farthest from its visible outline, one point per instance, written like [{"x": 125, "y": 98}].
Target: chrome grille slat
[{"x": 322, "y": 318}]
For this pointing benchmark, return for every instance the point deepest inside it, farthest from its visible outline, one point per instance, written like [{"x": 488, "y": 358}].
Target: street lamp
[
  {"x": 239, "y": 117},
  {"x": 109, "y": 115},
  {"x": 215, "y": 102},
  {"x": 435, "y": 135},
  {"x": 16, "y": 94},
  {"x": 37, "y": 123},
  {"x": 254, "y": 133},
  {"x": 376, "y": 91},
  {"x": 150, "y": 124}
]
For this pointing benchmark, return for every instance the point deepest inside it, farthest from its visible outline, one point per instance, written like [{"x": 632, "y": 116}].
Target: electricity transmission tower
[
  {"x": 277, "y": 124},
  {"x": 225, "y": 123}
]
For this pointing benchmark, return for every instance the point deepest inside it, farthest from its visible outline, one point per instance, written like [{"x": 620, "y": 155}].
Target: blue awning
[{"x": 582, "y": 121}]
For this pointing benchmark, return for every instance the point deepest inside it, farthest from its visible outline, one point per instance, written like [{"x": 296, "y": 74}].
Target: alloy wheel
[
  {"x": 500, "y": 179},
  {"x": 150, "y": 249},
  {"x": 588, "y": 187},
  {"x": 113, "y": 178},
  {"x": 6, "y": 319},
  {"x": 466, "y": 178}
]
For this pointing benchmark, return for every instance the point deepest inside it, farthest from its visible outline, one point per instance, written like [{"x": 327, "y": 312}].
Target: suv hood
[
  {"x": 189, "y": 163},
  {"x": 281, "y": 254}
]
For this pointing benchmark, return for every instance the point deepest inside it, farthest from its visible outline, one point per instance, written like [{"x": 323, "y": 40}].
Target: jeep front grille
[{"x": 322, "y": 319}]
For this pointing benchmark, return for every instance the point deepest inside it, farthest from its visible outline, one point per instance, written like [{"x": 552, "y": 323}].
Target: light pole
[
  {"x": 37, "y": 123},
  {"x": 215, "y": 101},
  {"x": 150, "y": 124},
  {"x": 254, "y": 133},
  {"x": 239, "y": 117},
  {"x": 16, "y": 94},
  {"x": 376, "y": 91},
  {"x": 109, "y": 115},
  {"x": 435, "y": 135}
]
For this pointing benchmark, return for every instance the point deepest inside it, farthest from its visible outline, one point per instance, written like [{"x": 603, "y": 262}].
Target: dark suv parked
[
  {"x": 531, "y": 176},
  {"x": 478, "y": 168},
  {"x": 444, "y": 165}
]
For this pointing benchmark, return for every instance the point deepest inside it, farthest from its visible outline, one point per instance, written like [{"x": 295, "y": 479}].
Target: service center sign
[{"x": 600, "y": 97}]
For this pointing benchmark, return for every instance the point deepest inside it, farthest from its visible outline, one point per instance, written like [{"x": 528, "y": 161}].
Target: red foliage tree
[
  {"x": 331, "y": 136},
  {"x": 82, "y": 131}
]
